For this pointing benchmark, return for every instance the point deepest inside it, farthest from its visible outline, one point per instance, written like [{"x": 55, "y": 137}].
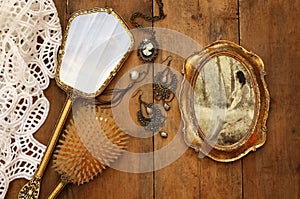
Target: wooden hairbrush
[{"x": 90, "y": 142}]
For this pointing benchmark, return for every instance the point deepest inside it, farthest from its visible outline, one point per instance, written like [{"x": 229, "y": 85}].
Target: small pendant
[{"x": 148, "y": 49}]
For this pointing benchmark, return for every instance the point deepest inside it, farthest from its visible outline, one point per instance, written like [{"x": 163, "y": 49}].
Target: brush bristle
[{"x": 90, "y": 142}]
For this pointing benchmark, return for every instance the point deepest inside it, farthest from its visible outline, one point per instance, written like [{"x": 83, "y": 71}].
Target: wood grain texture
[
  {"x": 113, "y": 183},
  {"x": 192, "y": 177},
  {"x": 269, "y": 28}
]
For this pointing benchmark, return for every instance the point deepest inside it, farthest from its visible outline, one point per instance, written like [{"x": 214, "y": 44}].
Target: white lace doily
[{"x": 30, "y": 35}]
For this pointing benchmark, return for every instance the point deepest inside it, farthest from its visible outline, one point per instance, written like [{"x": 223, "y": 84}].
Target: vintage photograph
[{"x": 224, "y": 100}]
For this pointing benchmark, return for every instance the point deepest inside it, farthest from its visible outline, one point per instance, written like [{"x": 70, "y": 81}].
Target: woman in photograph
[
  {"x": 239, "y": 113},
  {"x": 241, "y": 93}
]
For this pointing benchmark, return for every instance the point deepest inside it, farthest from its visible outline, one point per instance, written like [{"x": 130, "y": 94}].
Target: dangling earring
[
  {"x": 150, "y": 116},
  {"x": 165, "y": 85}
]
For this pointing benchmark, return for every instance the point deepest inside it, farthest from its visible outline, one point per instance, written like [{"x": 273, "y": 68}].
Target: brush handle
[
  {"x": 59, "y": 187},
  {"x": 59, "y": 126},
  {"x": 32, "y": 188}
]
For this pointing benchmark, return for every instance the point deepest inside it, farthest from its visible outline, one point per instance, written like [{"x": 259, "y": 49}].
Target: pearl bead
[
  {"x": 134, "y": 75},
  {"x": 163, "y": 134},
  {"x": 164, "y": 79}
]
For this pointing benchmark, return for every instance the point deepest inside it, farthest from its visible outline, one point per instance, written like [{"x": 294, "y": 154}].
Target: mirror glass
[
  {"x": 96, "y": 44},
  {"x": 224, "y": 100}
]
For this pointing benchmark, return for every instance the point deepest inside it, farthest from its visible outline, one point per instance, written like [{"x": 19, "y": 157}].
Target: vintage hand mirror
[
  {"x": 224, "y": 101},
  {"x": 96, "y": 43}
]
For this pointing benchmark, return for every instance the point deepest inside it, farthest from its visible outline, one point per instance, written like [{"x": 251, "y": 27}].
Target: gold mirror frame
[
  {"x": 72, "y": 91},
  {"x": 255, "y": 137}
]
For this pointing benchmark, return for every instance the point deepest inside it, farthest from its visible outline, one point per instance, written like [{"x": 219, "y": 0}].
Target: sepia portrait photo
[{"x": 224, "y": 100}]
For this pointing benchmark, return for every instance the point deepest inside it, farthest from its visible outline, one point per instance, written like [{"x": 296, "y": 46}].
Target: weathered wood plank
[
  {"x": 271, "y": 29},
  {"x": 113, "y": 183},
  {"x": 191, "y": 177}
]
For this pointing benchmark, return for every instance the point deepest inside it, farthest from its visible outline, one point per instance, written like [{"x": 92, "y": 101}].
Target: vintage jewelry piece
[
  {"x": 151, "y": 118},
  {"x": 134, "y": 75},
  {"x": 163, "y": 134},
  {"x": 148, "y": 48},
  {"x": 112, "y": 97},
  {"x": 164, "y": 86}
]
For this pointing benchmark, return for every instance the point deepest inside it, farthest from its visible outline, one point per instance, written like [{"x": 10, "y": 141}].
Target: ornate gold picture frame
[{"x": 224, "y": 101}]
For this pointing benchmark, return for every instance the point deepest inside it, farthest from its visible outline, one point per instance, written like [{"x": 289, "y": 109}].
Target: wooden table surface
[{"x": 271, "y": 29}]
